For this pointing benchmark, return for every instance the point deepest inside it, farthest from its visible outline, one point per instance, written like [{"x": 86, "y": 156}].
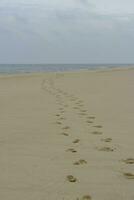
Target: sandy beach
[{"x": 67, "y": 136}]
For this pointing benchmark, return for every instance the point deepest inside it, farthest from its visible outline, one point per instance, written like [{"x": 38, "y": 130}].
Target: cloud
[
  {"x": 84, "y": 3},
  {"x": 58, "y": 28}
]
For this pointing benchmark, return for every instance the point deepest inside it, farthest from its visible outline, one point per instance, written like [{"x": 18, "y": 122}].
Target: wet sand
[{"x": 67, "y": 136}]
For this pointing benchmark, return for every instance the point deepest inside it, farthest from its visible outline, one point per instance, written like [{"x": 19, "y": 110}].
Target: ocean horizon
[{"x": 31, "y": 68}]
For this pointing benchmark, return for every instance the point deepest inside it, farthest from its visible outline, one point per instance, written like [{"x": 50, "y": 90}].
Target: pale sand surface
[{"x": 39, "y": 150}]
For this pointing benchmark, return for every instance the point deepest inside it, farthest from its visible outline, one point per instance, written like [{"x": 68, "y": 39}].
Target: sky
[{"x": 66, "y": 31}]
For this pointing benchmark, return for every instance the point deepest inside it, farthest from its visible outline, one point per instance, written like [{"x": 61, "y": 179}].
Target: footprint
[
  {"x": 80, "y": 101},
  {"x": 71, "y": 179},
  {"x": 80, "y": 162},
  {"x": 75, "y": 108},
  {"x": 72, "y": 99},
  {"x": 106, "y": 140},
  {"x": 66, "y": 127},
  {"x": 98, "y": 126},
  {"x": 62, "y": 118},
  {"x": 83, "y": 110},
  {"x": 90, "y": 117},
  {"x": 80, "y": 105},
  {"x": 58, "y": 115},
  {"x": 71, "y": 150},
  {"x": 65, "y": 93},
  {"x": 128, "y": 175},
  {"x": 66, "y": 134},
  {"x": 59, "y": 123},
  {"x": 60, "y": 91},
  {"x": 62, "y": 111},
  {"x": 107, "y": 149},
  {"x": 66, "y": 106},
  {"x": 89, "y": 122},
  {"x": 85, "y": 197},
  {"x": 82, "y": 114},
  {"x": 129, "y": 161},
  {"x": 97, "y": 133},
  {"x": 76, "y": 141},
  {"x": 77, "y": 103}
]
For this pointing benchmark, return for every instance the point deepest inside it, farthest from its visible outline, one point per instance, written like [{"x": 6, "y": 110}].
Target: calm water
[{"x": 27, "y": 68}]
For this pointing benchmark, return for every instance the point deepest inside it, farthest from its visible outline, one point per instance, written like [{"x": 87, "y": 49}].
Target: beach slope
[{"x": 67, "y": 136}]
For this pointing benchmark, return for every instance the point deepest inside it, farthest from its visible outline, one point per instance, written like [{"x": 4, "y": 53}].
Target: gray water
[{"x": 28, "y": 68}]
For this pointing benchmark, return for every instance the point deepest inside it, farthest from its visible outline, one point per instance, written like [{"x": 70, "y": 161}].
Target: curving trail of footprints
[{"x": 83, "y": 114}]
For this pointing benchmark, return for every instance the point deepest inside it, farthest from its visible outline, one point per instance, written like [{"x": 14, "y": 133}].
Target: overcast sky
[{"x": 66, "y": 31}]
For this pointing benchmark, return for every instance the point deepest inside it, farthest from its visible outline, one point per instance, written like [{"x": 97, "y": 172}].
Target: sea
[{"x": 31, "y": 68}]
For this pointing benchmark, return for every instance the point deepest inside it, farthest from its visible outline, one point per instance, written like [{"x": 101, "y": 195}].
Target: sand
[{"x": 67, "y": 136}]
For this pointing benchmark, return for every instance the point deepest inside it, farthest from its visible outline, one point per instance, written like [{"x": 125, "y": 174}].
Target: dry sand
[{"x": 67, "y": 136}]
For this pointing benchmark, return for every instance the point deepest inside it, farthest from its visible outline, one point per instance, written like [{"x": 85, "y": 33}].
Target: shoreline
[{"x": 67, "y": 72}]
